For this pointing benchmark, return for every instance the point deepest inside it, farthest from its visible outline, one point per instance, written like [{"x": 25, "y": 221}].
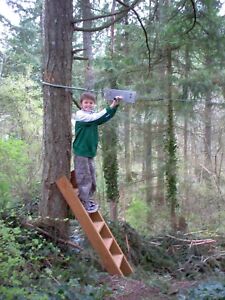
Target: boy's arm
[
  {"x": 99, "y": 117},
  {"x": 111, "y": 110},
  {"x": 85, "y": 117}
]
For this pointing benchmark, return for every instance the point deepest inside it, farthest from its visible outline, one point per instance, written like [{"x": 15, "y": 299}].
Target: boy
[{"x": 85, "y": 146}]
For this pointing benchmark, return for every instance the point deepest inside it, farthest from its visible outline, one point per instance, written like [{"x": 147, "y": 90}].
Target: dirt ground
[{"x": 130, "y": 289}]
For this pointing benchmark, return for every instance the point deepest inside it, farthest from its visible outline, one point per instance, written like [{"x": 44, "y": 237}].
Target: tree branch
[
  {"x": 179, "y": 10},
  {"x": 80, "y": 58},
  {"x": 120, "y": 15},
  {"x": 99, "y": 28},
  {"x": 193, "y": 241},
  {"x": 144, "y": 30},
  {"x": 18, "y": 6},
  {"x": 195, "y": 17},
  {"x": 74, "y": 51},
  {"x": 101, "y": 16},
  {"x": 6, "y": 21},
  {"x": 67, "y": 242}
]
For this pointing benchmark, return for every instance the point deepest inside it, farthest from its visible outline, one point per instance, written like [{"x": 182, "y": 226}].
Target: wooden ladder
[{"x": 97, "y": 232}]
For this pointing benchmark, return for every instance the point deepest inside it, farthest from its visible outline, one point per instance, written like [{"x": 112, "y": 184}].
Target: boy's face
[{"x": 87, "y": 104}]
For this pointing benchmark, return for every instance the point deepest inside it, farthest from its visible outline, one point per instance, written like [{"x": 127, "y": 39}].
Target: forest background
[{"x": 160, "y": 164}]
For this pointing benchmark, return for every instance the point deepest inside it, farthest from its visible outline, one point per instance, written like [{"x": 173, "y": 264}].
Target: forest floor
[
  {"x": 175, "y": 267},
  {"x": 130, "y": 289},
  {"x": 169, "y": 266},
  {"x": 178, "y": 266}
]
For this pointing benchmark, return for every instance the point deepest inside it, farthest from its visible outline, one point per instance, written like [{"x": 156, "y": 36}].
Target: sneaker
[{"x": 92, "y": 207}]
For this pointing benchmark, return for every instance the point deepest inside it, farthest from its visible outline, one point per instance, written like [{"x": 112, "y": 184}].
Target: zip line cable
[
  {"x": 66, "y": 87},
  {"x": 185, "y": 101}
]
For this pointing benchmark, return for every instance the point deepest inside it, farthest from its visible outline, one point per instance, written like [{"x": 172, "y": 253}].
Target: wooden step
[
  {"x": 99, "y": 225},
  {"x": 115, "y": 249},
  {"x": 118, "y": 259},
  {"x": 96, "y": 217},
  {"x": 108, "y": 242},
  {"x": 125, "y": 267}
]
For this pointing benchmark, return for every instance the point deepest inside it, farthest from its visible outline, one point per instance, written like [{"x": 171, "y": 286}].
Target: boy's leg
[
  {"x": 93, "y": 176},
  {"x": 84, "y": 176},
  {"x": 94, "y": 206}
]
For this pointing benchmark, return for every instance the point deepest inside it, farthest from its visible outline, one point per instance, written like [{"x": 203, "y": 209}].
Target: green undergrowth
[
  {"x": 207, "y": 290},
  {"x": 35, "y": 267},
  {"x": 173, "y": 258},
  {"x": 32, "y": 267},
  {"x": 173, "y": 254}
]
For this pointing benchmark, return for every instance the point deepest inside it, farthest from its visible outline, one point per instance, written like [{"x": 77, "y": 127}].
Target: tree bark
[
  {"x": 110, "y": 166},
  {"x": 171, "y": 147},
  {"x": 185, "y": 98},
  {"x": 160, "y": 167},
  {"x": 109, "y": 148},
  {"x": 57, "y": 65},
  {"x": 87, "y": 43},
  {"x": 161, "y": 72},
  {"x": 208, "y": 131},
  {"x": 127, "y": 143},
  {"x": 148, "y": 160},
  {"x": 208, "y": 127},
  {"x": 127, "y": 123}
]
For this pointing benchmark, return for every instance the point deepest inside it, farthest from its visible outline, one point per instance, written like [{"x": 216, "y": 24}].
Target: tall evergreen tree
[
  {"x": 57, "y": 59},
  {"x": 109, "y": 149},
  {"x": 24, "y": 41}
]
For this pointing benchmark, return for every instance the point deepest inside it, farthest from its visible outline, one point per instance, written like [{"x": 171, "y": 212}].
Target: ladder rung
[
  {"x": 99, "y": 225},
  {"x": 118, "y": 259},
  {"x": 108, "y": 242}
]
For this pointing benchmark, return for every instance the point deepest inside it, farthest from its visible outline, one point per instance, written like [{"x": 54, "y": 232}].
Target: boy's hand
[{"x": 116, "y": 101}]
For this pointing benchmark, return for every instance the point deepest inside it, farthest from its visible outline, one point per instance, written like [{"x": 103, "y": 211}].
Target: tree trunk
[
  {"x": 57, "y": 136},
  {"x": 127, "y": 124},
  {"x": 109, "y": 149},
  {"x": 110, "y": 166},
  {"x": 127, "y": 143},
  {"x": 160, "y": 127},
  {"x": 208, "y": 127},
  {"x": 87, "y": 43},
  {"x": 185, "y": 98},
  {"x": 171, "y": 147},
  {"x": 194, "y": 153},
  {"x": 208, "y": 131},
  {"x": 148, "y": 160},
  {"x": 160, "y": 167}
]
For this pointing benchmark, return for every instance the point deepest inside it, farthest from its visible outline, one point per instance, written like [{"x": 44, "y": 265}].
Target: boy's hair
[{"x": 87, "y": 95}]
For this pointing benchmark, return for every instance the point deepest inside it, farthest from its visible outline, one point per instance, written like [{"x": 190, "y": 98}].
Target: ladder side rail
[{"x": 84, "y": 219}]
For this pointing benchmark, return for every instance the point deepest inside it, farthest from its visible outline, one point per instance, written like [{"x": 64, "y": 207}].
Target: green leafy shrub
[
  {"x": 20, "y": 140},
  {"x": 15, "y": 180},
  {"x": 32, "y": 267},
  {"x": 211, "y": 290},
  {"x": 137, "y": 214},
  {"x": 12, "y": 263},
  {"x": 73, "y": 290}
]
